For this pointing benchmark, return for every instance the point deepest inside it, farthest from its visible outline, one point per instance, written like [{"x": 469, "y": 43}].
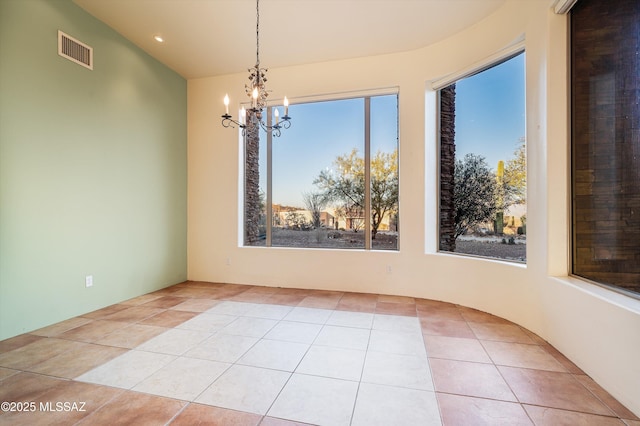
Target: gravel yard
[
  {"x": 486, "y": 246},
  {"x": 492, "y": 248}
]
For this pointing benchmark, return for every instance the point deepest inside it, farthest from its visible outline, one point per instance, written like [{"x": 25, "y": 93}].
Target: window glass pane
[
  {"x": 318, "y": 177},
  {"x": 606, "y": 142},
  {"x": 483, "y": 164},
  {"x": 384, "y": 172},
  {"x": 312, "y": 179},
  {"x": 263, "y": 188}
]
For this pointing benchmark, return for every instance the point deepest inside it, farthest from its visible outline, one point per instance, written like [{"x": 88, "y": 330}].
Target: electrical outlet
[
  {"x": 228, "y": 261},
  {"x": 389, "y": 269},
  {"x": 88, "y": 281}
]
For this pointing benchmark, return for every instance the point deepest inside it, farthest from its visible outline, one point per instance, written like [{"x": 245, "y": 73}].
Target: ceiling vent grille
[{"x": 74, "y": 50}]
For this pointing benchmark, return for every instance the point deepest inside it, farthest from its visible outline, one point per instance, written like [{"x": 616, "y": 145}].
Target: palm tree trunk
[
  {"x": 447, "y": 167},
  {"x": 252, "y": 182}
]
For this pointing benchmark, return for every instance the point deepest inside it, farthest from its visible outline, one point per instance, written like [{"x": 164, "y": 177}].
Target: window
[
  {"x": 483, "y": 178},
  {"x": 331, "y": 180},
  {"x": 605, "y": 147}
]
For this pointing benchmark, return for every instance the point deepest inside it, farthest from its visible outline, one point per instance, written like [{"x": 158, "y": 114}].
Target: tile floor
[{"x": 220, "y": 354}]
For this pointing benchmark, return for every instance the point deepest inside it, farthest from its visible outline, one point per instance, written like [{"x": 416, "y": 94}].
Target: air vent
[{"x": 74, "y": 50}]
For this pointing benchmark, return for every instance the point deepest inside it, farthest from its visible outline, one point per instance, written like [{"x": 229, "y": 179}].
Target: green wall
[{"x": 92, "y": 168}]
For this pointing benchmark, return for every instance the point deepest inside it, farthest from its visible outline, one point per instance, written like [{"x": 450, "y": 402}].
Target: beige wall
[{"x": 599, "y": 330}]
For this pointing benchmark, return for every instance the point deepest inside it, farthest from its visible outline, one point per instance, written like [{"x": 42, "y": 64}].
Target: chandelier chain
[
  {"x": 257, "y": 33},
  {"x": 258, "y": 94}
]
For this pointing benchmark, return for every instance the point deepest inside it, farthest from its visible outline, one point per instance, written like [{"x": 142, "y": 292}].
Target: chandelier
[{"x": 257, "y": 92}]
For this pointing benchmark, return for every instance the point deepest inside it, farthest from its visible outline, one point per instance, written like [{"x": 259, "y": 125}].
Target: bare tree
[{"x": 315, "y": 203}]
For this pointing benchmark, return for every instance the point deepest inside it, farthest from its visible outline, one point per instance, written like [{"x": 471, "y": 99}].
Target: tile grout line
[
  {"x": 264, "y": 416},
  {"x": 297, "y": 365},
  {"x": 433, "y": 382},
  {"x": 499, "y": 372},
  {"x": 218, "y": 331},
  {"x": 103, "y": 404},
  {"x": 534, "y": 342},
  {"x": 364, "y": 363}
]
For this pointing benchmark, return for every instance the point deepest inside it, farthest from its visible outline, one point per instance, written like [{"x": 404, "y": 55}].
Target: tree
[
  {"x": 262, "y": 222},
  {"x": 384, "y": 187},
  {"x": 515, "y": 176},
  {"x": 346, "y": 188},
  {"x": 474, "y": 193},
  {"x": 314, "y": 202},
  {"x": 296, "y": 220}
]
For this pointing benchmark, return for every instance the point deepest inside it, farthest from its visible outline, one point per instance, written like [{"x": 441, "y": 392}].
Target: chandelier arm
[
  {"x": 258, "y": 94},
  {"x": 274, "y": 130},
  {"x": 285, "y": 123},
  {"x": 227, "y": 121}
]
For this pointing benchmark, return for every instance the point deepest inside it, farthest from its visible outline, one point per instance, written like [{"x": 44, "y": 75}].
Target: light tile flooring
[{"x": 220, "y": 354}]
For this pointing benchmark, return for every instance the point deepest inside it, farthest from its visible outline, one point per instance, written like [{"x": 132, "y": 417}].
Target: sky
[
  {"x": 490, "y": 112},
  {"x": 310, "y": 146},
  {"x": 490, "y": 121}
]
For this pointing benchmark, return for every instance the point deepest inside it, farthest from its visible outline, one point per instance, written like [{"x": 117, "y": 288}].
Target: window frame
[
  {"x": 509, "y": 52},
  {"x": 588, "y": 276},
  {"x": 366, "y": 96}
]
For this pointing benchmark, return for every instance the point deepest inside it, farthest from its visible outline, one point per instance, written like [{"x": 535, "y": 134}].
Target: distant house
[{"x": 327, "y": 220}]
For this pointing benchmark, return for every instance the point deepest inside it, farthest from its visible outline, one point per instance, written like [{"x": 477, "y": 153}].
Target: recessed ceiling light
[{"x": 158, "y": 38}]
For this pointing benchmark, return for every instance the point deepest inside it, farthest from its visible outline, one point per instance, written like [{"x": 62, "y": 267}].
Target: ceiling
[{"x": 214, "y": 37}]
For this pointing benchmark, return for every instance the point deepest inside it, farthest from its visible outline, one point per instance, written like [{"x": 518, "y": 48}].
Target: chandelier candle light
[{"x": 258, "y": 93}]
